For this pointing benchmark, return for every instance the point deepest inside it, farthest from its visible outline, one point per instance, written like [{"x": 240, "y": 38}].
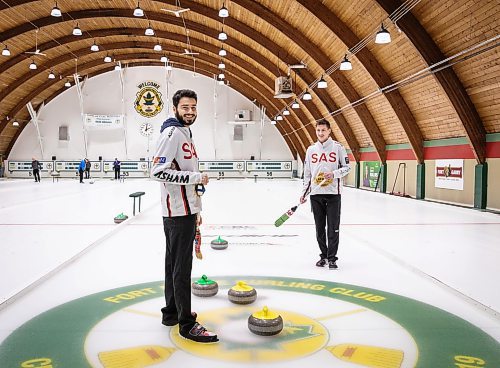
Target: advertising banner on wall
[
  {"x": 370, "y": 173},
  {"x": 449, "y": 174},
  {"x": 103, "y": 121}
]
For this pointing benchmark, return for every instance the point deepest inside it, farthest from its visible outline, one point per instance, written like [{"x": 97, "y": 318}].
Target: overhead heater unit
[{"x": 283, "y": 87}]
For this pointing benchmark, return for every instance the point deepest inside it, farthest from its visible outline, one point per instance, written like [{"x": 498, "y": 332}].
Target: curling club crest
[{"x": 148, "y": 102}]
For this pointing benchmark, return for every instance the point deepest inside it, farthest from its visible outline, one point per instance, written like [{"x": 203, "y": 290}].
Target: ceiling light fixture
[
  {"x": 94, "y": 47},
  {"x": 77, "y": 31},
  {"x": 322, "y": 83},
  {"x": 118, "y": 67},
  {"x": 222, "y": 65},
  {"x": 223, "y": 12},
  {"x": 279, "y": 117},
  {"x": 157, "y": 47},
  {"x": 295, "y": 105},
  {"x": 383, "y": 36},
  {"x": 149, "y": 31},
  {"x": 222, "y": 52},
  {"x": 138, "y": 12},
  {"x": 221, "y": 82},
  {"x": 15, "y": 123},
  {"x": 52, "y": 75},
  {"x": 33, "y": 65},
  {"x": 307, "y": 96},
  {"x": 222, "y": 35},
  {"x": 345, "y": 64},
  {"x": 56, "y": 12},
  {"x": 222, "y": 76},
  {"x": 273, "y": 122},
  {"x": 67, "y": 84},
  {"x": 6, "y": 51},
  {"x": 107, "y": 59},
  {"x": 286, "y": 111},
  {"x": 164, "y": 59}
]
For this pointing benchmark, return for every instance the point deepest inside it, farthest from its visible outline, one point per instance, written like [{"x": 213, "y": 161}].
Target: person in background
[
  {"x": 326, "y": 163},
  {"x": 87, "y": 168},
  {"x": 116, "y": 167},
  {"x": 36, "y": 166},
  {"x": 175, "y": 165},
  {"x": 81, "y": 169}
]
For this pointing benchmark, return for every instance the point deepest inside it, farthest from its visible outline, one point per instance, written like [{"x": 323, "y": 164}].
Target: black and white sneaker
[
  {"x": 321, "y": 263},
  {"x": 332, "y": 265},
  {"x": 198, "y": 333}
]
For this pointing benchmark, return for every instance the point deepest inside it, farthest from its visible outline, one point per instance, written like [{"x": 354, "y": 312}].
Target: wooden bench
[{"x": 135, "y": 195}]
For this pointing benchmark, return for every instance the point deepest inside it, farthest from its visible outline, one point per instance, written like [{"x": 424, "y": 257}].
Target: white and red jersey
[
  {"x": 175, "y": 165},
  {"x": 329, "y": 156}
]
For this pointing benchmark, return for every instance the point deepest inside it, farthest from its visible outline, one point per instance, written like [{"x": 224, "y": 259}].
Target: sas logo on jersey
[
  {"x": 160, "y": 160},
  {"x": 332, "y": 157},
  {"x": 190, "y": 151},
  {"x": 148, "y": 102}
]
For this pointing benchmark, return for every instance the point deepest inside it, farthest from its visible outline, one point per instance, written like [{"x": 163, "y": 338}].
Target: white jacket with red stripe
[
  {"x": 329, "y": 156},
  {"x": 176, "y": 166}
]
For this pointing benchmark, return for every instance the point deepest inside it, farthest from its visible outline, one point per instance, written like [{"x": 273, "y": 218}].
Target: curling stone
[
  {"x": 241, "y": 293},
  {"x": 218, "y": 243},
  {"x": 120, "y": 218},
  {"x": 265, "y": 323},
  {"x": 204, "y": 287}
]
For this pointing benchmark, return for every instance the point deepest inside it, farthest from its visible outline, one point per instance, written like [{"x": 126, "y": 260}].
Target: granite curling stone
[
  {"x": 204, "y": 287},
  {"x": 265, "y": 323},
  {"x": 120, "y": 218},
  {"x": 242, "y": 293},
  {"x": 219, "y": 243}
]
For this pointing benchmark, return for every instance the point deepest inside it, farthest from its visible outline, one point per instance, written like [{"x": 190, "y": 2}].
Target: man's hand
[{"x": 303, "y": 200}]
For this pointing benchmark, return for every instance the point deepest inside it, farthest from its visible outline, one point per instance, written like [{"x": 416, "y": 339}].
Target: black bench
[{"x": 135, "y": 195}]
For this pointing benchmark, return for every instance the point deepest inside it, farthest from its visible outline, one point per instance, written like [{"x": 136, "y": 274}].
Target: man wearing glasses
[{"x": 176, "y": 167}]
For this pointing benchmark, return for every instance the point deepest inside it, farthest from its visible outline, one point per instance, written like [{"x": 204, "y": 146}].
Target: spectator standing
[
  {"x": 116, "y": 167},
  {"x": 87, "y": 168},
  {"x": 81, "y": 169},
  {"x": 36, "y": 166}
]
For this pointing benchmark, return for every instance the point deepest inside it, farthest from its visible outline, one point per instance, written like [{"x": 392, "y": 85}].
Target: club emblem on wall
[{"x": 148, "y": 102}]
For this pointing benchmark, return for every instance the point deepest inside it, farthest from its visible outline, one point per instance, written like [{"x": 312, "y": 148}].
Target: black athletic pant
[
  {"x": 117, "y": 173},
  {"x": 36, "y": 174},
  {"x": 326, "y": 211},
  {"x": 81, "y": 175},
  {"x": 87, "y": 174},
  {"x": 179, "y": 234}
]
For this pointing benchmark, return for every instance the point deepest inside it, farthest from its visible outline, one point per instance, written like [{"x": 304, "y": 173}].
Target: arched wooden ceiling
[{"x": 264, "y": 37}]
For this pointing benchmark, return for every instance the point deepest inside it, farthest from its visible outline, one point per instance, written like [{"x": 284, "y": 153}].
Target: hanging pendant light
[
  {"x": 33, "y": 65},
  {"x": 383, "y": 36},
  {"x": 56, "y": 12},
  {"x": 222, "y": 76},
  {"x": 52, "y": 75},
  {"x": 221, "y": 82},
  {"x": 286, "y": 111},
  {"x": 138, "y": 12},
  {"x": 67, "y": 84},
  {"x": 164, "y": 59},
  {"x": 222, "y": 35},
  {"x": 94, "y": 47},
  {"x": 6, "y": 51},
  {"x": 295, "y": 105},
  {"x": 157, "y": 47},
  {"x": 15, "y": 123},
  {"x": 107, "y": 59},
  {"x": 279, "y": 117},
  {"x": 307, "y": 96},
  {"x": 273, "y": 122},
  {"x": 77, "y": 31},
  {"x": 223, "y": 12},
  {"x": 118, "y": 67},
  {"x": 345, "y": 64},
  {"x": 222, "y": 65},
  {"x": 322, "y": 83},
  {"x": 222, "y": 52},
  {"x": 149, "y": 31}
]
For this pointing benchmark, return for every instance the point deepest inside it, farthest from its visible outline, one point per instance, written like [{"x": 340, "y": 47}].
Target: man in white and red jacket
[
  {"x": 176, "y": 167},
  {"x": 325, "y": 165}
]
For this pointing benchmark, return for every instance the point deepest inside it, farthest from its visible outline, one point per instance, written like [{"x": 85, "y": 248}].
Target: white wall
[{"x": 102, "y": 95}]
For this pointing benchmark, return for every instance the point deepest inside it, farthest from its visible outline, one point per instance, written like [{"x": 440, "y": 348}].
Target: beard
[{"x": 184, "y": 122}]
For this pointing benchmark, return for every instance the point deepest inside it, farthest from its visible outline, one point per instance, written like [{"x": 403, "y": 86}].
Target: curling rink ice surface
[{"x": 417, "y": 284}]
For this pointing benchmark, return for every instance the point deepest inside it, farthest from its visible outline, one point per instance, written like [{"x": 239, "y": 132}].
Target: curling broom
[{"x": 292, "y": 210}]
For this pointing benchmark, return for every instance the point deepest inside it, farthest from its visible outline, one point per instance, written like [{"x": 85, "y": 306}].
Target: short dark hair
[
  {"x": 183, "y": 93},
  {"x": 324, "y": 122}
]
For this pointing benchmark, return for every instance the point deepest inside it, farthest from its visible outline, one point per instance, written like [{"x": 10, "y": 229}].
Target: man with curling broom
[{"x": 325, "y": 165}]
